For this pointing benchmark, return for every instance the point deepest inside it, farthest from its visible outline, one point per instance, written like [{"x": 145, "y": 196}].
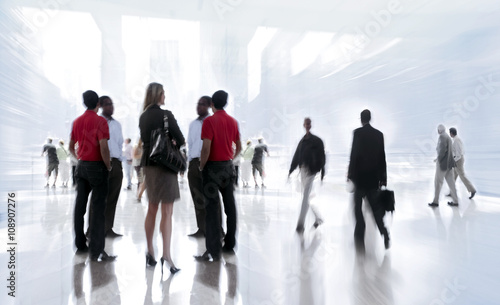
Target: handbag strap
[{"x": 165, "y": 123}]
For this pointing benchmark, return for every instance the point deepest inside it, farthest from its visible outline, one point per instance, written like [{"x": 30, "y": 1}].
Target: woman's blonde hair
[{"x": 153, "y": 95}]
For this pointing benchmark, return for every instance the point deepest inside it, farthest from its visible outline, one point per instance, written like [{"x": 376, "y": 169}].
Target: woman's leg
[
  {"x": 167, "y": 210},
  {"x": 149, "y": 225}
]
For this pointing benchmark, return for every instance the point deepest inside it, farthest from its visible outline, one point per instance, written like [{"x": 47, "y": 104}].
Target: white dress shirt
[
  {"x": 115, "y": 142},
  {"x": 458, "y": 148},
  {"x": 195, "y": 142},
  {"x": 127, "y": 152}
]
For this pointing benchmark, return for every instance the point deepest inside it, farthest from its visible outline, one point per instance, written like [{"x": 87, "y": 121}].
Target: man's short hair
[
  {"x": 260, "y": 139},
  {"x": 103, "y": 98},
  {"x": 207, "y": 99},
  {"x": 90, "y": 99},
  {"x": 219, "y": 99},
  {"x": 49, "y": 140},
  {"x": 453, "y": 131},
  {"x": 366, "y": 116}
]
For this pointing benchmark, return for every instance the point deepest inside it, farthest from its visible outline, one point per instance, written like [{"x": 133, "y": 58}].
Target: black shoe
[
  {"x": 205, "y": 257},
  {"x": 103, "y": 256},
  {"x": 317, "y": 223},
  {"x": 112, "y": 234},
  {"x": 228, "y": 250},
  {"x": 81, "y": 250},
  {"x": 197, "y": 234},
  {"x": 150, "y": 260},
  {"x": 472, "y": 195},
  {"x": 387, "y": 241},
  {"x": 172, "y": 269},
  {"x": 299, "y": 229},
  {"x": 433, "y": 204},
  {"x": 452, "y": 204}
]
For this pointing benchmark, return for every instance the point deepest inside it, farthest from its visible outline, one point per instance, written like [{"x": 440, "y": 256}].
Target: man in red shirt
[
  {"x": 91, "y": 133},
  {"x": 219, "y": 133}
]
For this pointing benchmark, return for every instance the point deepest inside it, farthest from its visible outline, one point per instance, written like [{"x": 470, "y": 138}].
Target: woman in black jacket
[{"x": 161, "y": 184}]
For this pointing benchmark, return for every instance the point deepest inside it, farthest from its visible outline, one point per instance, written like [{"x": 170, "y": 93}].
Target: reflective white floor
[{"x": 441, "y": 256}]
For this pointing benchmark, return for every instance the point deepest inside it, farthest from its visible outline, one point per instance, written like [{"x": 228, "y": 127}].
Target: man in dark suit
[{"x": 367, "y": 170}]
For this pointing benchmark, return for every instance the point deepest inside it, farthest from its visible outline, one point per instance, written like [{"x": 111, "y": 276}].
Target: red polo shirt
[
  {"x": 88, "y": 129},
  {"x": 223, "y": 131}
]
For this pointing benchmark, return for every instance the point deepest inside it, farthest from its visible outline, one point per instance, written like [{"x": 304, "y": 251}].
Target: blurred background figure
[
  {"x": 246, "y": 164},
  {"x": 127, "y": 155},
  {"x": 258, "y": 162},
  {"x": 310, "y": 158},
  {"x": 49, "y": 150},
  {"x": 237, "y": 165},
  {"x": 136, "y": 163},
  {"x": 62, "y": 155},
  {"x": 444, "y": 168},
  {"x": 73, "y": 162},
  {"x": 458, "y": 156}
]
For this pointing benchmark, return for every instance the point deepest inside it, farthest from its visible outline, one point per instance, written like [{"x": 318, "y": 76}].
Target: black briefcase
[{"x": 386, "y": 199}]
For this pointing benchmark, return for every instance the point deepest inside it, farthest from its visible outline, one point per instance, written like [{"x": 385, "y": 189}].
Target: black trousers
[
  {"x": 115, "y": 179},
  {"x": 219, "y": 177},
  {"x": 90, "y": 176},
  {"x": 378, "y": 212},
  {"x": 196, "y": 188}
]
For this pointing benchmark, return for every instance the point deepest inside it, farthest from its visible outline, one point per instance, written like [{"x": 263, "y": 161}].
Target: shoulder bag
[{"x": 163, "y": 151}]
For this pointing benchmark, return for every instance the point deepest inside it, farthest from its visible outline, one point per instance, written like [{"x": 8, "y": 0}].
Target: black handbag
[
  {"x": 386, "y": 199},
  {"x": 164, "y": 152}
]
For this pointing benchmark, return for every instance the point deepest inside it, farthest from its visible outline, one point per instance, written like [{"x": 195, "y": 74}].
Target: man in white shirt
[
  {"x": 127, "y": 154},
  {"x": 115, "y": 177},
  {"x": 458, "y": 156},
  {"x": 194, "y": 175}
]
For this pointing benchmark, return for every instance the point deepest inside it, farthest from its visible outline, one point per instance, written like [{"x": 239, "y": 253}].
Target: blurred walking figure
[
  {"x": 310, "y": 158},
  {"x": 73, "y": 162},
  {"x": 136, "y": 163},
  {"x": 444, "y": 168},
  {"x": 368, "y": 172},
  {"x": 52, "y": 161},
  {"x": 258, "y": 162},
  {"x": 458, "y": 156},
  {"x": 237, "y": 165},
  {"x": 127, "y": 155},
  {"x": 246, "y": 164},
  {"x": 161, "y": 183},
  {"x": 219, "y": 133},
  {"x": 62, "y": 155}
]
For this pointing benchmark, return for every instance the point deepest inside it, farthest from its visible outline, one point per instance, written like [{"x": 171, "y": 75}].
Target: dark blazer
[
  {"x": 310, "y": 153},
  {"x": 367, "y": 166},
  {"x": 152, "y": 119}
]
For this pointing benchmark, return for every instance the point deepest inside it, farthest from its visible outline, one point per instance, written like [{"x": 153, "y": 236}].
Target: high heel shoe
[
  {"x": 150, "y": 260},
  {"x": 172, "y": 268}
]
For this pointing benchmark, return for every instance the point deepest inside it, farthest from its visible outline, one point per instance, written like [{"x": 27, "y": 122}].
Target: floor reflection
[{"x": 273, "y": 265}]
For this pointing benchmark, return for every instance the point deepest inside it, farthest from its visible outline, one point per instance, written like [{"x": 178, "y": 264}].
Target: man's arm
[
  {"x": 103, "y": 144},
  {"x": 352, "y": 159},
  {"x": 205, "y": 152},
  {"x": 383, "y": 165},
  {"x": 72, "y": 148},
  {"x": 238, "y": 149}
]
